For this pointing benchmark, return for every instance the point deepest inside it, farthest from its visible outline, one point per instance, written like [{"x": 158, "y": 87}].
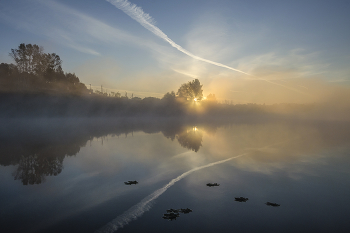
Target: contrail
[
  {"x": 147, "y": 22},
  {"x": 137, "y": 210}
]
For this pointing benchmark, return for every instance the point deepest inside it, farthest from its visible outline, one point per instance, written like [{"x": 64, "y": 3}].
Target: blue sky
[{"x": 293, "y": 51}]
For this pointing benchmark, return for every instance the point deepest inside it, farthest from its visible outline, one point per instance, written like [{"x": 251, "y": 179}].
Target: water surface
[{"x": 68, "y": 176}]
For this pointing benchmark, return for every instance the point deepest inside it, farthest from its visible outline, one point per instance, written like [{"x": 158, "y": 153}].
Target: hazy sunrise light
[
  {"x": 126, "y": 115},
  {"x": 277, "y": 52}
]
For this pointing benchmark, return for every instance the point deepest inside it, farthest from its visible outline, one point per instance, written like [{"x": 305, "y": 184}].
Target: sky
[{"x": 248, "y": 51}]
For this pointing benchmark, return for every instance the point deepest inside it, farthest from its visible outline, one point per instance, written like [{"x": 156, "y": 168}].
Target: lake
[{"x": 67, "y": 175}]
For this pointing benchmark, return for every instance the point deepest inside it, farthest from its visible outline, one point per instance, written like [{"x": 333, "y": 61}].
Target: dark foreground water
[{"x": 68, "y": 176}]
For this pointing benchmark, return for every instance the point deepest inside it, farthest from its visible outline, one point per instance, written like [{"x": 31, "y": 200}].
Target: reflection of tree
[
  {"x": 38, "y": 149},
  {"x": 40, "y": 160},
  {"x": 190, "y": 139},
  {"x": 33, "y": 169}
]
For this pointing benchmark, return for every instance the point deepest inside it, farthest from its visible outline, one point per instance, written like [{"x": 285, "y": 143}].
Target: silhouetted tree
[
  {"x": 7, "y": 69},
  {"x": 37, "y": 71},
  {"x": 26, "y": 57},
  {"x": 8, "y": 76},
  {"x": 211, "y": 99},
  {"x": 191, "y": 90},
  {"x": 169, "y": 96},
  {"x": 31, "y": 59},
  {"x": 49, "y": 64}
]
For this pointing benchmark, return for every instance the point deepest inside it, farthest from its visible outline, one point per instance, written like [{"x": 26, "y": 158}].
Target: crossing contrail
[
  {"x": 147, "y": 22},
  {"x": 145, "y": 204}
]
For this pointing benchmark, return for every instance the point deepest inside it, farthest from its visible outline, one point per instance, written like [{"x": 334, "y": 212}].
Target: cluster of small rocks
[
  {"x": 172, "y": 214},
  {"x": 244, "y": 199}
]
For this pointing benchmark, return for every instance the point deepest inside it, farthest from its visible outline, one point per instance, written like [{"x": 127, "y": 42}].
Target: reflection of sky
[{"x": 302, "y": 167}]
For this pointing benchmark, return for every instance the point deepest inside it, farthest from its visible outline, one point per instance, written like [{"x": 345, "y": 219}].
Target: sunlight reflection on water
[{"x": 62, "y": 172}]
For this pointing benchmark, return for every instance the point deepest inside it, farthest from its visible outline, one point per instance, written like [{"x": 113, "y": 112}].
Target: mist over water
[{"x": 69, "y": 174}]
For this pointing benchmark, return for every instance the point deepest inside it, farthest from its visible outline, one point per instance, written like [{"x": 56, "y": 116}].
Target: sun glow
[{"x": 195, "y": 99}]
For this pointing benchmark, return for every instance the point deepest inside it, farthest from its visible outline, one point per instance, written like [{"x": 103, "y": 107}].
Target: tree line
[{"x": 36, "y": 71}]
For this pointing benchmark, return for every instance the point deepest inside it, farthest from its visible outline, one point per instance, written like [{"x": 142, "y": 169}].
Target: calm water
[{"x": 68, "y": 176}]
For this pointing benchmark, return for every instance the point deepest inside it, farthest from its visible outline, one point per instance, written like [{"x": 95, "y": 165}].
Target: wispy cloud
[
  {"x": 147, "y": 22},
  {"x": 66, "y": 26},
  {"x": 185, "y": 73}
]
